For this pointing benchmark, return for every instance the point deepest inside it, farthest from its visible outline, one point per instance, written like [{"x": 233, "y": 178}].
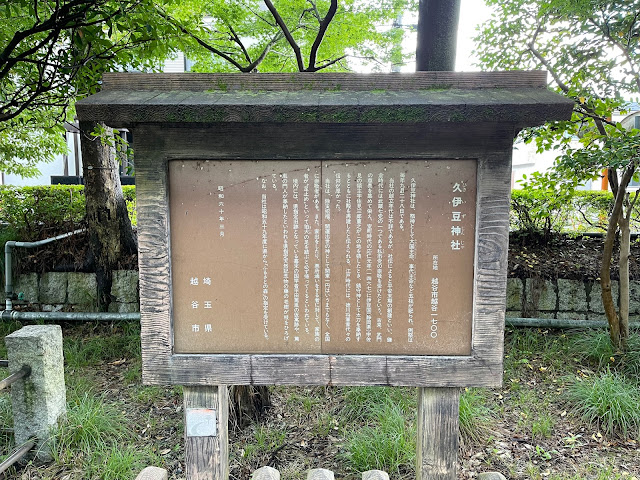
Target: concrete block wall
[
  {"x": 77, "y": 292},
  {"x": 561, "y": 298}
]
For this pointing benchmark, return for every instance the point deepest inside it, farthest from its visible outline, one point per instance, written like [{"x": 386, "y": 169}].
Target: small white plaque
[{"x": 201, "y": 422}]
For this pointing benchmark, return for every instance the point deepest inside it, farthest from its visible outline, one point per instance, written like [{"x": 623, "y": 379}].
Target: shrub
[{"x": 608, "y": 401}]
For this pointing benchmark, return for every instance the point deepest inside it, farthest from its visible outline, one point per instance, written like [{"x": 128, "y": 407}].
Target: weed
[
  {"x": 475, "y": 416},
  {"x": 542, "y": 427},
  {"x": 91, "y": 424},
  {"x": 608, "y": 401},
  {"x": 111, "y": 343},
  {"x": 387, "y": 444},
  {"x": 147, "y": 394},
  {"x": 117, "y": 462},
  {"x": 594, "y": 346}
]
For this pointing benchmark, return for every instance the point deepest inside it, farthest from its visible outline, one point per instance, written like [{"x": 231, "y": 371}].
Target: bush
[
  {"x": 608, "y": 401},
  {"x": 35, "y": 213}
]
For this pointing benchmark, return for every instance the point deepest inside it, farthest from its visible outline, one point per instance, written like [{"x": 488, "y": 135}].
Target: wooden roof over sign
[{"x": 518, "y": 98}]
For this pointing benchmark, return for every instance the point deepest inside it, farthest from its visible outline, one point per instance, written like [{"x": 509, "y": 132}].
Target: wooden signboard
[{"x": 323, "y": 229}]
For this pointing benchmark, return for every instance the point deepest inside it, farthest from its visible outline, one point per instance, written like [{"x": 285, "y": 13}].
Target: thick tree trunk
[
  {"x": 437, "y": 35},
  {"x": 110, "y": 233}
]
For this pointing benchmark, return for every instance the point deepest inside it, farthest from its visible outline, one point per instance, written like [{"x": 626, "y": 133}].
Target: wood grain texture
[
  {"x": 207, "y": 458},
  {"x": 437, "y": 445},
  {"x": 489, "y": 143},
  {"x": 323, "y": 82},
  {"x": 153, "y": 473}
]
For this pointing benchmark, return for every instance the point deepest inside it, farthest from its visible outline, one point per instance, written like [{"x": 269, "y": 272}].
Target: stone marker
[
  {"x": 320, "y": 474},
  {"x": 491, "y": 476},
  {"x": 153, "y": 473},
  {"x": 38, "y": 400},
  {"x": 375, "y": 475},
  {"x": 266, "y": 473}
]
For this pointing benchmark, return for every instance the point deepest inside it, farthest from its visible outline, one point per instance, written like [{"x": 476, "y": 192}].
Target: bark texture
[{"x": 110, "y": 233}]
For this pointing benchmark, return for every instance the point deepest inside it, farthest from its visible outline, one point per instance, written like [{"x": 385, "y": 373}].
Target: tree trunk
[
  {"x": 615, "y": 219},
  {"x": 625, "y": 253},
  {"x": 110, "y": 233},
  {"x": 437, "y": 35}
]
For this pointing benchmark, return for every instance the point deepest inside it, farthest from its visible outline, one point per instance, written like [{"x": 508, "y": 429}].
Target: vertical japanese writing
[
  {"x": 401, "y": 198},
  {"x": 347, "y": 270},
  {"x": 265, "y": 262},
  {"x": 380, "y": 257},
  {"x": 306, "y": 248},
  {"x": 458, "y": 190},
  {"x": 285, "y": 254},
  {"x": 369, "y": 259},
  {"x": 317, "y": 238},
  {"x": 358, "y": 256},
  {"x": 327, "y": 259},
  {"x": 295, "y": 207},
  {"x": 221, "y": 210},
  {"x": 390, "y": 232},
  {"x": 435, "y": 283},
  {"x": 412, "y": 259}
]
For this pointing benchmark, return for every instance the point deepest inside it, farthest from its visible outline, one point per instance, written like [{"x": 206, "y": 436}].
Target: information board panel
[{"x": 367, "y": 257}]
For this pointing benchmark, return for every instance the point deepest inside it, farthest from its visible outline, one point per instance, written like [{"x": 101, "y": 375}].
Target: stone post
[{"x": 38, "y": 400}]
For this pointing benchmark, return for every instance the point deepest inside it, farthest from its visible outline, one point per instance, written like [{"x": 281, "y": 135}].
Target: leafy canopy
[{"x": 591, "y": 49}]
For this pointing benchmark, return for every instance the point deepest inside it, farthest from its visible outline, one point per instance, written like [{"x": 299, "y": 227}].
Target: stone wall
[
  {"x": 574, "y": 299},
  {"x": 77, "y": 292}
]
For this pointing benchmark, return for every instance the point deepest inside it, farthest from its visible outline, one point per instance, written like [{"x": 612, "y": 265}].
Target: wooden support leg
[
  {"x": 437, "y": 446},
  {"x": 206, "y": 441}
]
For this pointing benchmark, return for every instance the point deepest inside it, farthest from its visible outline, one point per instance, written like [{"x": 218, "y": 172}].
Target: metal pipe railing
[
  {"x": 8, "y": 269},
  {"x": 68, "y": 316},
  {"x": 25, "y": 371},
  {"x": 17, "y": 455}
]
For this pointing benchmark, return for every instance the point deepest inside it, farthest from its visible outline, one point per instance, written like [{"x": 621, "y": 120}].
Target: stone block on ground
[
  {"x": 82, "y": 290},
  {"x": 375, "y": 475},
  {"x": 541, "y": 296},
  {"x": 515, "y": 294},
  {"x": 595, "y": 296},
  {"x": 266, "y": 473},
  {"x": 491, "y": 476},
  {"x": 26, "y": 287},
  {"x": 38, "y": 400},
  {"x": 53, "y": 287},
  {"x": 153, "y": 473},
  {"x": 572, "y": 295},
  {"x": 125, "y": 286},
  {"x": 320, "y": 474}
]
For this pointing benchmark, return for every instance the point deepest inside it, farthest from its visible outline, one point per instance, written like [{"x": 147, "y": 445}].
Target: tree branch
[
  {"x": 286, "y": 33},
  {"x": 324, "y": 25}
]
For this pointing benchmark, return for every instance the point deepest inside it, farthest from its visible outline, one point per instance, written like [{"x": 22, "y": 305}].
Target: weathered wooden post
[{"x": 328, "y": 229}]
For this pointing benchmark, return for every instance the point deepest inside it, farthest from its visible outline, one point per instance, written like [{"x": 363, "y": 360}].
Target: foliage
[
  {"x": 54, "y": 52},
  {"x": 289, "y": 35},
  {"x": 592, "y": 51},
  {"x": 594, "y": 348},
  {"x": 536, "y": 209},
  {"x": 35, "y": 213},
  {"x": 609, "y": 402}
]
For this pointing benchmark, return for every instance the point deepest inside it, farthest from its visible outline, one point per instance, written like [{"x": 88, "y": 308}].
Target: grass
[
  {"x": 476, "y": 418},
  {"x": 595, "y": 348},
  {"x": 608, "y": 401},
  {"x": 387, "y": 439}
]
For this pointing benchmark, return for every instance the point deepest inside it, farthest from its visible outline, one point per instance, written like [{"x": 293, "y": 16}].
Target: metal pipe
[
  {"x": 17, "y": 455},
  {"x": 8, "y": 273},
  {"x": 560, "y": 323},
  {"x": 25, "y": 371},
  {"x": 69, "y": 316},
  {"x": 4, "y": 363}
]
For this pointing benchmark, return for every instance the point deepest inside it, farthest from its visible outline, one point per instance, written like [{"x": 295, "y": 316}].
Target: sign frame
[{"x": 430, "y": 115}]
